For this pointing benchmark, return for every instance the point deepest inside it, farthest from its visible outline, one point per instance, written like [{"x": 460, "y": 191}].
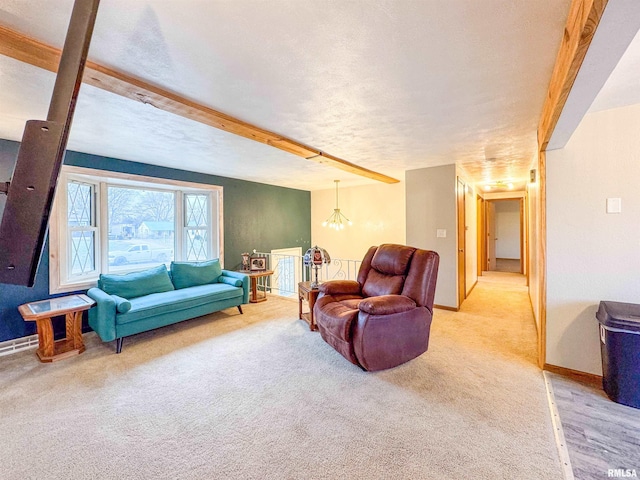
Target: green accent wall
[{"x": 256, "y": 215}]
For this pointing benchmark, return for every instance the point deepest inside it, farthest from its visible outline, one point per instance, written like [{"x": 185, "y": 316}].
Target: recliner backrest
[{"x": 384, "y": 270}]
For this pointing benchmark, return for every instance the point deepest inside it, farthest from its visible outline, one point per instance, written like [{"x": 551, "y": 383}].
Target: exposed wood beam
[
  {"x": 33, "y": 52},
  {"x": 584, "y": 16},
  {"x": 582, "y": 22}
]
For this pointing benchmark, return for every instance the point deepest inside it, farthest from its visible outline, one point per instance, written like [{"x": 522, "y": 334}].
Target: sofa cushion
[
  {"x": 337, "y": 317},
  {"x": 191, "y": 274},
  {"x": 177, "y": 300},
  {"x": 137, "y": 284}
]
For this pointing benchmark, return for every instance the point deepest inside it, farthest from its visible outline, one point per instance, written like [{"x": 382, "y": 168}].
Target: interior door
[
  {"x": 462, "y": 293},
  {"x": 482, "y": 236},
  {"x": 491, "y": 236},
  {"x": 522, "y": 230}
]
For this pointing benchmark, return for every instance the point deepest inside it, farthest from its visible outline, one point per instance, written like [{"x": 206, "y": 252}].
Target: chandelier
[{"x": 337, "y": 219}]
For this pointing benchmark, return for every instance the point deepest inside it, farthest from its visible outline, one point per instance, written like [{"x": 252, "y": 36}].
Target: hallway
[{"x": 496, "y": 316}]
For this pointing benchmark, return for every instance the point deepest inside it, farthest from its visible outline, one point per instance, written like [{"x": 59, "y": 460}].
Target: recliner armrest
[
  {"x": 345, "y": 287},
  {"x": 386, "y": 304}
]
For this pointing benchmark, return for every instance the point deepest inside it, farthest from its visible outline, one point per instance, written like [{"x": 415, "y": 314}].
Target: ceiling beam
[
  {"x": 582, "y": 22},
  {"x": 584, "y": 16},
  {"x": 33, "y": 52}
]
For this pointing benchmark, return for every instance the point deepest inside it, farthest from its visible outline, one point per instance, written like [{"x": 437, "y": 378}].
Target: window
[
  {"x": 196, "y": 226},
  {"x": 81, "y": 227},
  {"x": 105, "y": 222},
  {"x": 141, "y": 227}
]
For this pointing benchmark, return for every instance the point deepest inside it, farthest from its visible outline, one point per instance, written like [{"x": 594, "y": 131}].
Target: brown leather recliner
[{"x": 383, "y": 319}]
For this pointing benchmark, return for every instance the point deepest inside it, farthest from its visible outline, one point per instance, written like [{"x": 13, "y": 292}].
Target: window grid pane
[
  {"x": 196, "y": 210},
  {"x": 197, "y": 244},
  {"x": 196, "y": 222},
  {"x": 83, "y": 252},
  {"x": 81, "y": 224},
  {"x": 80, "y": 204}
]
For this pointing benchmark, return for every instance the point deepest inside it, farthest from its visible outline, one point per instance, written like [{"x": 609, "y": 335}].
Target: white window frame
[
  {"x": 183, "y": 223},
  {"x": 65, "y": 252},
  {"x": 61, "y": 281}
]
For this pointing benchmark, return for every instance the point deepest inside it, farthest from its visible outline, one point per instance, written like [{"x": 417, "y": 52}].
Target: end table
[
  {"x": 308, "y": 294},
  {"x": 256, "y": 296},
  {"x": 41, "y": 312}
]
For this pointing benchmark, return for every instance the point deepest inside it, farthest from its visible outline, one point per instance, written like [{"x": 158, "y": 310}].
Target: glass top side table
[{"x": 43, "y": 311}]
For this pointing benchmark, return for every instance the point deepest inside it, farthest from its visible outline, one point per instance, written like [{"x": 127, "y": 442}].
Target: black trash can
[{"x": 620, "y": 349}]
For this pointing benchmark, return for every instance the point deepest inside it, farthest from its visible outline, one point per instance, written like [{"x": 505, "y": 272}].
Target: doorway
[
  {"x": 461, "y": 241},
  {"x": 504, "y": 249}
]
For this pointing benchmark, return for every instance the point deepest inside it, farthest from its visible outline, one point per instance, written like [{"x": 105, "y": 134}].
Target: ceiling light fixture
[
  {"x": 337, "y": 219},
  {"x": 500, "y": 184}
]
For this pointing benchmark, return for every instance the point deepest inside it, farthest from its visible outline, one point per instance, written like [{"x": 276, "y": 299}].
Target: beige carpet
[{"x": 259, "y": 396}]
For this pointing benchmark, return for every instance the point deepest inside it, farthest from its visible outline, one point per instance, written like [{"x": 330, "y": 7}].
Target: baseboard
[
  {"x": 442, "y": 307},
  {"x": 18, "y": 345},
  {"x": 574, "y": 374}
]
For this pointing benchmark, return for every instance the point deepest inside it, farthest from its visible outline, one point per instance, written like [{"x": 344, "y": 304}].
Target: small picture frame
[{"x": 257, "y": 264}]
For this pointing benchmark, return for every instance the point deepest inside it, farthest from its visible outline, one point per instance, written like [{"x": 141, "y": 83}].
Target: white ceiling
[{"x": 389, "y": 85}]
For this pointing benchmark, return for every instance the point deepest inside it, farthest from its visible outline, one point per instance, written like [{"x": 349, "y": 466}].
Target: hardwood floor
[{"x": 603, "y": 437}]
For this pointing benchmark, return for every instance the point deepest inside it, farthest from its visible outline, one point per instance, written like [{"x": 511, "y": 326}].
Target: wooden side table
[
  {"x": 256, "y": 295},
  {"x": 43, "y": 311},
  {"x": 308, "y": 294}
]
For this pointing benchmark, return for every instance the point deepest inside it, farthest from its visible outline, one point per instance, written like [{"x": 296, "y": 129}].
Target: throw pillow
[
  {"x": 234, "y": 282},
  {"x": 122, "y": 304},
  {"x": 137, "y": 284},
  {"x": 191, "y": 274}
]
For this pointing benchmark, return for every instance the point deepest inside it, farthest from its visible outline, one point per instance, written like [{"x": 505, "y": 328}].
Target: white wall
[
  {"x": 508, "y": 229},
  {"x": 377, "y": 212},
  {"x": 591, "y": 255},
  {"x": 431, "y": 205}
]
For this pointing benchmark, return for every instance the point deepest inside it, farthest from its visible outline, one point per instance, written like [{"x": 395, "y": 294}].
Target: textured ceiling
[{"x": 389, "y": 85}]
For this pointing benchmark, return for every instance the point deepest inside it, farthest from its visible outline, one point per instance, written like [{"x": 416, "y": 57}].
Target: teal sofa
[{"x": 140, "y": 301}]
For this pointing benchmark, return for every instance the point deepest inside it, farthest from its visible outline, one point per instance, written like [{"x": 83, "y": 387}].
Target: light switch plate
[
  {"x": 441, "y": 233},
  {"x": 614, "y": 205}
]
